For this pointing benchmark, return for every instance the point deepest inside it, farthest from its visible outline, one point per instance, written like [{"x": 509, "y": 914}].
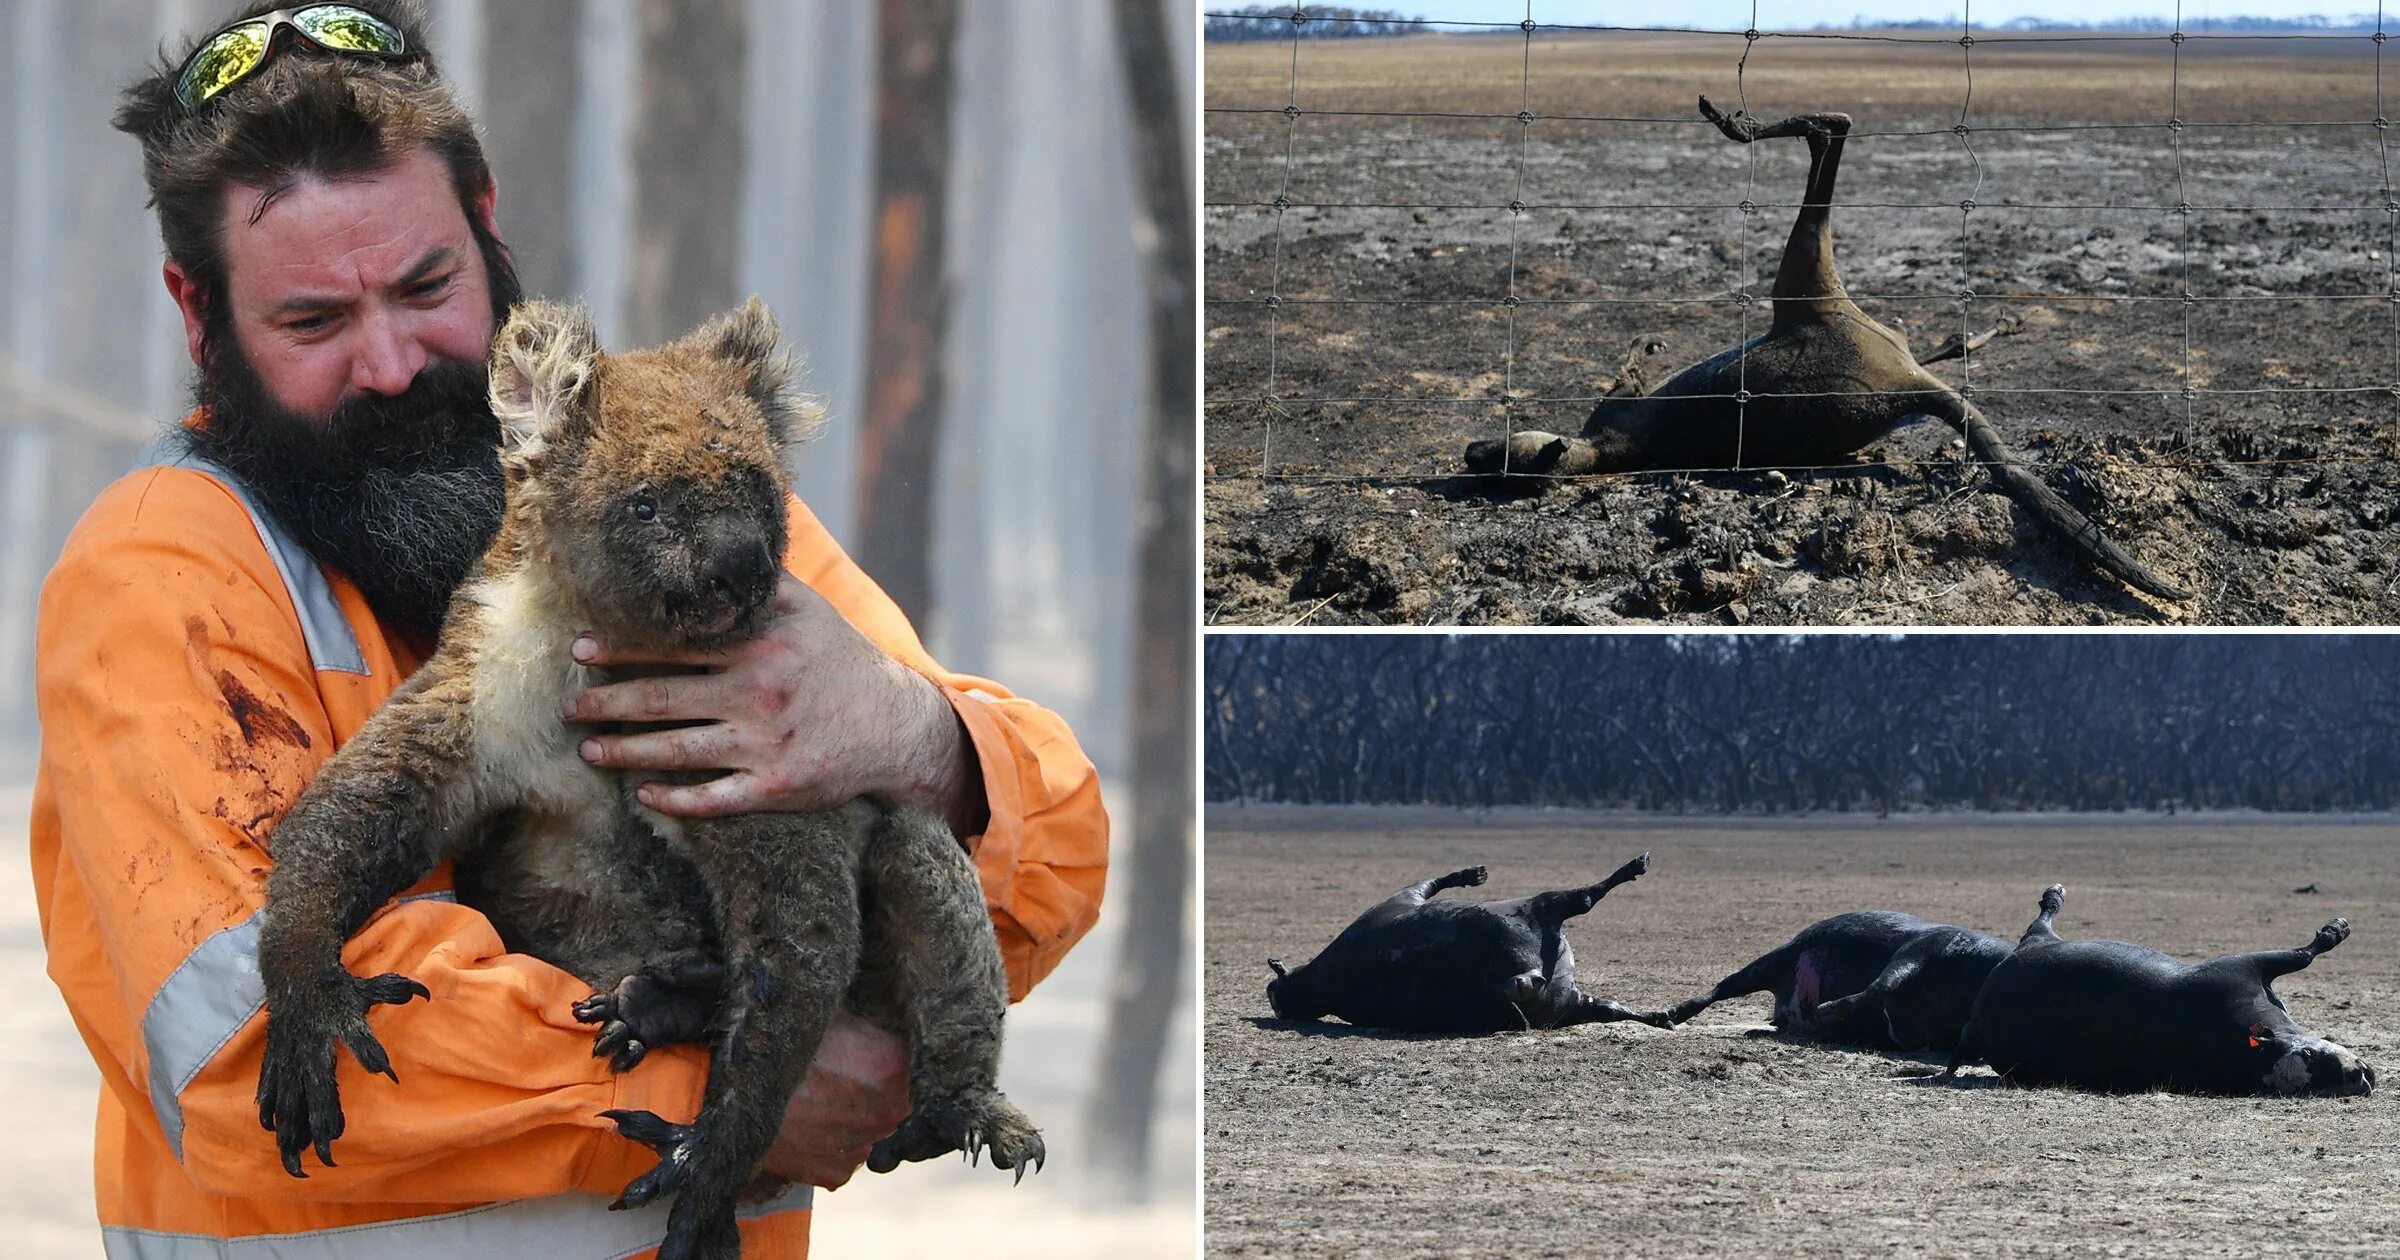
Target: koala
[{"x": 645, "y": 501}]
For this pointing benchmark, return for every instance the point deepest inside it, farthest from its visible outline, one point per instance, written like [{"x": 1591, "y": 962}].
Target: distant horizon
[{"x": 1814, "y": 14}]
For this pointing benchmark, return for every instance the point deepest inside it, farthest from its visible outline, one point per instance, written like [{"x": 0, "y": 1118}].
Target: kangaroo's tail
[{"x": 2019, "y": 483}]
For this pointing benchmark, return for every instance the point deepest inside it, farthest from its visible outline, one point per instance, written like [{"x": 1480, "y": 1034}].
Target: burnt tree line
[
  {"x": 1320, "y": 21},
  {"x": 1767, "y": 724}
]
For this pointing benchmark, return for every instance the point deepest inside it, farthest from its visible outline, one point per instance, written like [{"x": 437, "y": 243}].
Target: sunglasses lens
[
  {"x": 222, "y": 62},
  {"x": 340, "y": 27}
]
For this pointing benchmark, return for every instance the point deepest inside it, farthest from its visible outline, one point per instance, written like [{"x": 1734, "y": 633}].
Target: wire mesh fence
[{"x": 1301, "y": 347}]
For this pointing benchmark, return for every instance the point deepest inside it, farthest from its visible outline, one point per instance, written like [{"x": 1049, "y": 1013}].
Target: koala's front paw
[
  {"x": 298, "y": 1099},
  {"x": 658, "y": 1006}
]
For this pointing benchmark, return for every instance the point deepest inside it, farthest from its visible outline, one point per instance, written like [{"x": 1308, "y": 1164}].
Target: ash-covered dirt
[
  {"x": 1337, "y": 414},
  {"x": 1710, "y": 1140}
]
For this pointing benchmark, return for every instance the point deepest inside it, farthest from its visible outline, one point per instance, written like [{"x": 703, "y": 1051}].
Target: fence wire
[{"x": 1277, "y": 406}]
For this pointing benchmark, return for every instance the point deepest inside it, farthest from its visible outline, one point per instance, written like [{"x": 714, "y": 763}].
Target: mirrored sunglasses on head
[{"x": 235, "y": 53}]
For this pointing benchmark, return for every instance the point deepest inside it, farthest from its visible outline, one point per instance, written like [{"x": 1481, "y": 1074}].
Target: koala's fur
[{"x": 646, "y": 502}]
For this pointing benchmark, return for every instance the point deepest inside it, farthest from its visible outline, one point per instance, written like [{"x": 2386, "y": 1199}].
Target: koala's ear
[
  {"x": 544, "y": 365},
  {"x": 746, "y": 340}
]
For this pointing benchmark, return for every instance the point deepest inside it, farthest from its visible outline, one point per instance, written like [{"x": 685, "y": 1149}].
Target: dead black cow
[
  {"x": 1873, "y": 978},
  {"x": 1414, "y": 964},
  {"x": 2111, "y": 1016}
]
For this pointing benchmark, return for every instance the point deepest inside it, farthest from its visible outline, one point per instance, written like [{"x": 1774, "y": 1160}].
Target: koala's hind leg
[
  {"x": 932, "y": 970},
  {"x": 789, "y": 887}
]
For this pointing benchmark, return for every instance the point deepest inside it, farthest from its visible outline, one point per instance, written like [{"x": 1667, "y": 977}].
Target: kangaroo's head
[{"x": 649, "y": 484}]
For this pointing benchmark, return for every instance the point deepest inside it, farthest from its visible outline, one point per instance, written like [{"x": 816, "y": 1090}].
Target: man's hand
[
  {"x": 854, "y": 1095},
  {"x": 810, "y": 715}
]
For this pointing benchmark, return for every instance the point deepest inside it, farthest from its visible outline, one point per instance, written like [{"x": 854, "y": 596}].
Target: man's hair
[{"x": 305, "y": 113}]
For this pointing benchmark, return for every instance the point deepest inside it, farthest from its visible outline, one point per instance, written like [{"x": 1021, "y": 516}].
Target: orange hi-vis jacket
[{"x": 195, "y": 667}]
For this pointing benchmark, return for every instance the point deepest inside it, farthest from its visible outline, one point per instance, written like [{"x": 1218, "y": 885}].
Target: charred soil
[{"x": 1397, "y": 308}]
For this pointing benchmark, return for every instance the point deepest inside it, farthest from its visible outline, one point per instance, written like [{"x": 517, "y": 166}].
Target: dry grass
[{"x": 1637, "y": 74}]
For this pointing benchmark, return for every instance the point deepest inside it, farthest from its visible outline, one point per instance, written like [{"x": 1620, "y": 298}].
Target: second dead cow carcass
[
  {"x": 1823, "y": 381},
  {"x": 1873, "y": 978}
]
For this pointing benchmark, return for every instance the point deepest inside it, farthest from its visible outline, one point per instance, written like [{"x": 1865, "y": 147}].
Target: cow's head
[
  {"x": 2299, "y": 1065},
  {"x": 1291, "y": 995}
]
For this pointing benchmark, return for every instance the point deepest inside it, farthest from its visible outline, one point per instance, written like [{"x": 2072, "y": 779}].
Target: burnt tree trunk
[
  {"x": 1157, "y": 888},
  {"x": 529, "y": 88},
  {"x": 687, "y": 166},
  {"x": 909, "y": 301}
]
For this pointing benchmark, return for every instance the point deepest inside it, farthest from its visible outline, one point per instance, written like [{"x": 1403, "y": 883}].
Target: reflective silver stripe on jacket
[
  {"x": 205, "y": 1001},
  {"x": 332, "y": 644},
  {"x": 561, "y": 1227}
]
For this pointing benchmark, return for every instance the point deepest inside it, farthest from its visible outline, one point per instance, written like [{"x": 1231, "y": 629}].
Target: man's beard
[{"x": 400, "y": 493}]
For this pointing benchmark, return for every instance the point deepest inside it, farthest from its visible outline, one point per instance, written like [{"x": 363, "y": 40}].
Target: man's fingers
[
  {"x": 591, "y": 649},
  {"x": 673, "y": 698},
  {"x": 736, "y": 793},
  {"x": 710, "y": 747}
]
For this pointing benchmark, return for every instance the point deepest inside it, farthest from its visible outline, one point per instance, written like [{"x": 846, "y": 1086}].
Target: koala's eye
[{"x": 643, "y": 508}]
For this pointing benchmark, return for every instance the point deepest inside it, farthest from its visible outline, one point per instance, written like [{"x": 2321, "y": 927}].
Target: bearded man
[{"x": 222, "y": 621}]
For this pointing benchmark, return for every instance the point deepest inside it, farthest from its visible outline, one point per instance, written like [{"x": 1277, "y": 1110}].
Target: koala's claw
[
  {"x": 674, "y": 1144},
  {"x": 299, "y": 1099},
  {"x": 973, "y": 1125}
]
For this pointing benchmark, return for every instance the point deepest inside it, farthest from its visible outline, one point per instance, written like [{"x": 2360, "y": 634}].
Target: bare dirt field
[
  {"x": 1708, "y": 1140},
  {"x": 1390, "y": 341}
]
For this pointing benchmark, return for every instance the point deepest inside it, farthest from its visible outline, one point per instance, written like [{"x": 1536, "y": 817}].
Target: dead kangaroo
[
  {"x": 1857, "y": 379},
  {"x": 646, "y": 501}
]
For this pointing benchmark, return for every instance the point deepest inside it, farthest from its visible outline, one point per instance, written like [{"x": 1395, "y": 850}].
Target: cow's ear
[{"x": 545, "y": 368}]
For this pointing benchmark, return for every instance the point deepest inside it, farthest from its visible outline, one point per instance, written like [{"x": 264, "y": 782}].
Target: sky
[{"x": 1790, "y": 14}]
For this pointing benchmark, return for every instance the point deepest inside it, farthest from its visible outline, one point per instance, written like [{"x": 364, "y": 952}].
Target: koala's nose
[{"x": 742, "y": 572}]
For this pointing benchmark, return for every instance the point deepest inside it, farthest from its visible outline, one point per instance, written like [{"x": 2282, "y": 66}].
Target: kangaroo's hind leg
[{"x": 932, "y": 972}]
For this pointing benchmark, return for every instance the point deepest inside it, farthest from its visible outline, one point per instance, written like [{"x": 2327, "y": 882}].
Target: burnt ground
[
  {"x": 1390, "y": 344},
  {"x": 1709, "y": 1140}
]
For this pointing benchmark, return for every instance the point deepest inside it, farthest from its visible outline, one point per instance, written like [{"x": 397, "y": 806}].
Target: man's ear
[
  {"x": 192, "y": 300},
  {"x": 545, "y": 368},
  {"x": 746, "y": 341}
]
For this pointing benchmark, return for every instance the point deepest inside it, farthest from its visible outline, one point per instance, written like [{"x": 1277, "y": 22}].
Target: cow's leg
[
  {"x": 1968, "y": 1050},
  {"x": 1866, "y": 1001},
  {"x": 1769, "y": 973},
  {"x": 1419, "y": 893},
  {"x": 2042, "y": 929},
  {"x": 2271, "y": 963},
  {"x": 1879, "y": 1000},
  {"x": 1553, "y": 908},
  {"x": 1577, "y": 1007}
]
